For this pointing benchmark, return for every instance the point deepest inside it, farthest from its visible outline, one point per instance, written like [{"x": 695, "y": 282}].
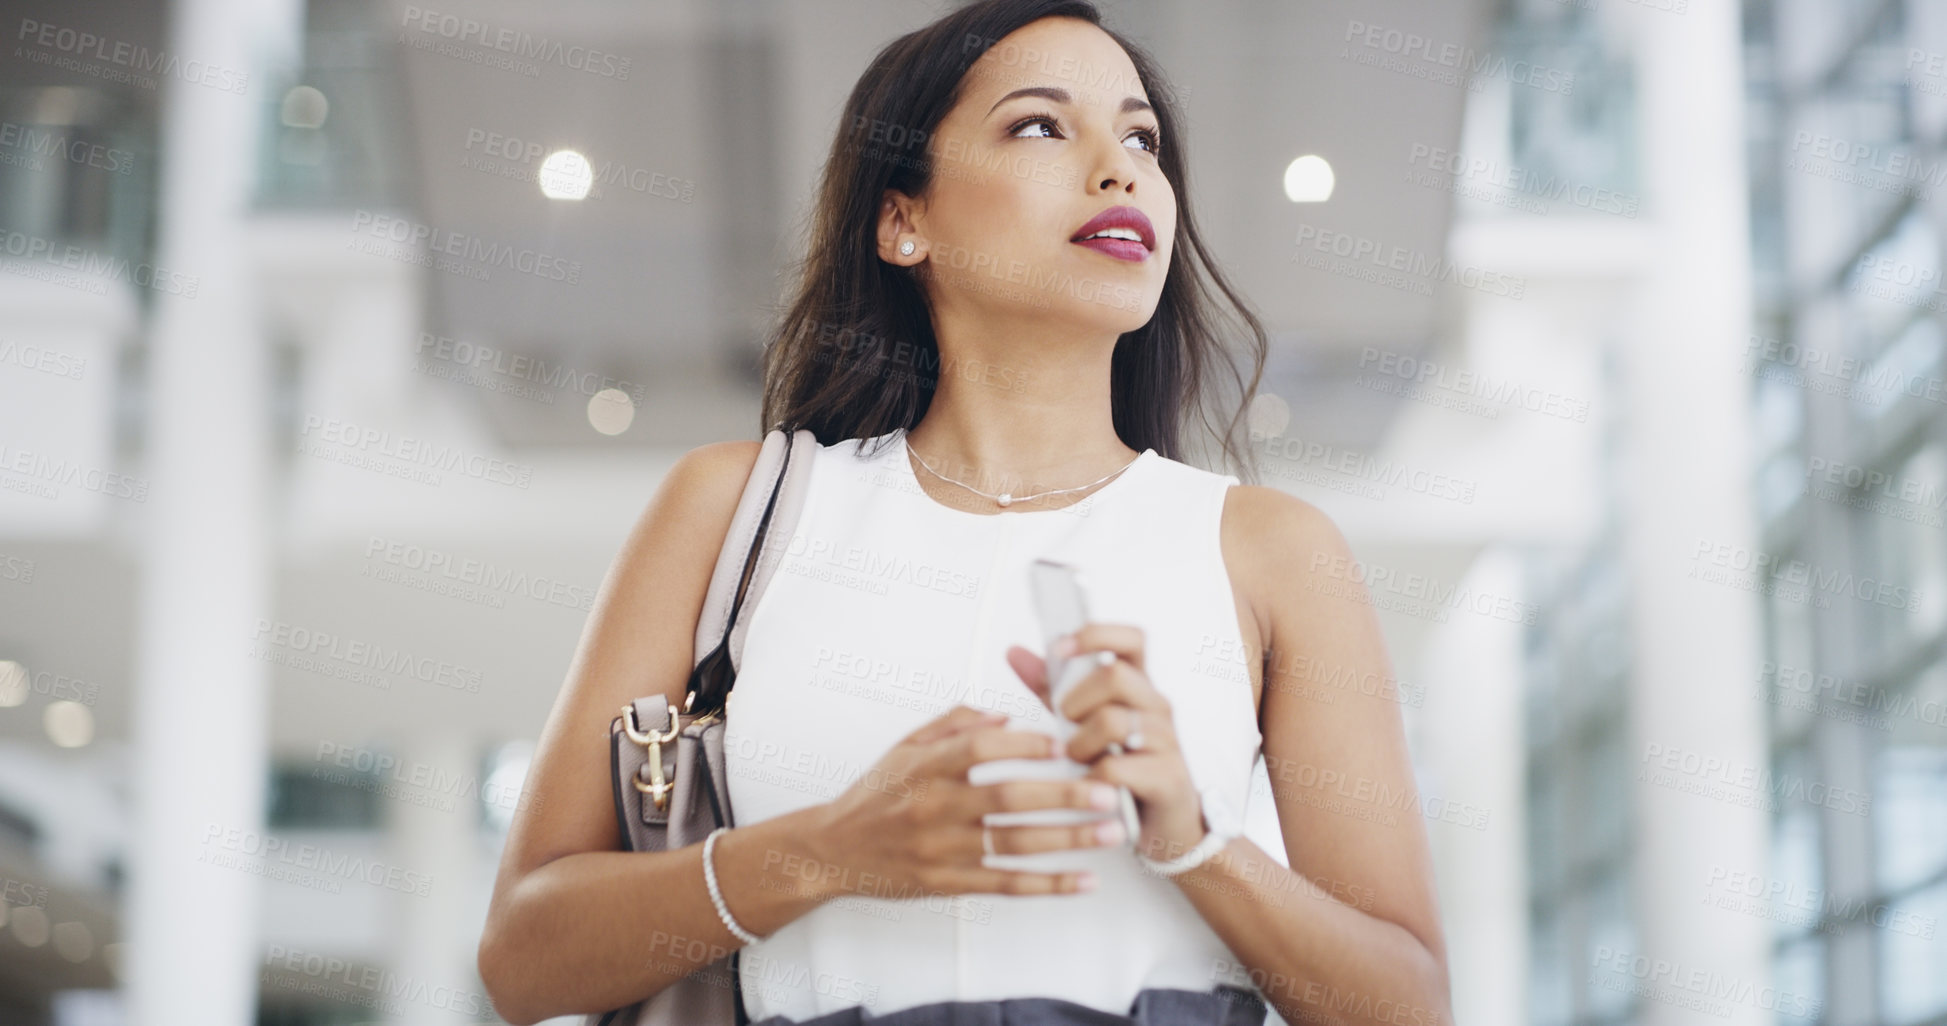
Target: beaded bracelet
[
  {"x": 1199, "y": 853},
  {"x": 716, "y": 896}
]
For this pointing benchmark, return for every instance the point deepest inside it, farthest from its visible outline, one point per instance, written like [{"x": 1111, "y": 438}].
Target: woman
[{"x": 995, "y": 343}]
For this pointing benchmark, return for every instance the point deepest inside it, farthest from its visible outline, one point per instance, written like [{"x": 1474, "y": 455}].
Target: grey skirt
[{"x": 1154, "y": 1006}]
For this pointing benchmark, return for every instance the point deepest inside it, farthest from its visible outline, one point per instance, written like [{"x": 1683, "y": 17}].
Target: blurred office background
[{"x": 1612, "y": 338}]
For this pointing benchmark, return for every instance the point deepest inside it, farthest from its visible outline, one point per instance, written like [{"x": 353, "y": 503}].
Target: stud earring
[{"x": 906, "y": 248}]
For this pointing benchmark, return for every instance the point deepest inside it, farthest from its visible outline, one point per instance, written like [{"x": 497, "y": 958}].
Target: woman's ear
[{"x": 899, "y": 241}]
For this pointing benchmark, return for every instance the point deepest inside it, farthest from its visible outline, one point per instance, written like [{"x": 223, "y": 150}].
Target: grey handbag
[{"x": 666, "y": 800}]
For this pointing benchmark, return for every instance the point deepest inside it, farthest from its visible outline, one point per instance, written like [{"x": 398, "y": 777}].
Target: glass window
[
  {"x": 1552, "y": 1001},
  {"x": 1903, "y": 586},
  {"x": 503, "y": 784},
  {"x": 1796, "y": 865},
  {"x": 1799, "y": 971},
  {"x": 1896, "y": 276},
  {"x": 303, "y": 800},
  {"x": 1908, "y": 367},
  {"x": 1778, "y": 398},
  {"x": 1913, "y": 964},
  {"x": 1607, "y": 797},
  {"x": 1910, "y": 814},
  {"x": 1792, "y": 680}
]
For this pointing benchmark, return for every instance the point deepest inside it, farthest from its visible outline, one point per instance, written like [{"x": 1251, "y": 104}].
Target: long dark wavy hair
[{"x": 854, "y": 355}]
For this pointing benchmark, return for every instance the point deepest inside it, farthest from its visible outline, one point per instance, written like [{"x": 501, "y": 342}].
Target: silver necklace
[{"x": 1008, "y": 499}]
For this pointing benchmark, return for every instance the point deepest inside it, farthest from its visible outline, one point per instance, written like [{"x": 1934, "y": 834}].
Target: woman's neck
[{"x": 1023, "y": 423}]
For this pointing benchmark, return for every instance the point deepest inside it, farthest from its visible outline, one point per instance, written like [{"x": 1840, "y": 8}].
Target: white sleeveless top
[{"x": 889, "y": 609}]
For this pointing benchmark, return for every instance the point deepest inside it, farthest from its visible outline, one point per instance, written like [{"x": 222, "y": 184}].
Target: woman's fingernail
[
  {"x": 1109, "y": 831},
  {"x": 1102, "y": 796},
  {"x": 1085, "y": 882},
  {"x": 1064, "y": 646}
]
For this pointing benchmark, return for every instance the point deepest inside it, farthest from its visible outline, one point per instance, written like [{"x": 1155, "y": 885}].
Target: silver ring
[
  {"x": 1104, "y": 657},
  {"x": 1133, "y": 741},
  {"x": 987, "y": 839}
]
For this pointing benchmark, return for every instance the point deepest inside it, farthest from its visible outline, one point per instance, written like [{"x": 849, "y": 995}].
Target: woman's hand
[
  {"x": 1106, "y": 705},
  {"x": 913, "y": 823}
]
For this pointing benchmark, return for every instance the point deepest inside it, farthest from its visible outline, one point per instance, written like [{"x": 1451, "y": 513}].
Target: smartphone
[{"x": 1059, "y": 604}]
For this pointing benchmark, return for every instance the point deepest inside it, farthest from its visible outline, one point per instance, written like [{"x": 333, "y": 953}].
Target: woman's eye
[
  {"x": 1146, "y": 137},
  {"x": 1047, "y": 125}
]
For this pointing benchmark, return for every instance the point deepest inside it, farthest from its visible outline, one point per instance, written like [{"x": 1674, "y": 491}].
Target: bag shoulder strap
[{"x": 760, "y": 533}]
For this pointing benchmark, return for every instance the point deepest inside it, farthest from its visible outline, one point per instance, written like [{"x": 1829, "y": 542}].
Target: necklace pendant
[{"x": 1004, "y": 499}]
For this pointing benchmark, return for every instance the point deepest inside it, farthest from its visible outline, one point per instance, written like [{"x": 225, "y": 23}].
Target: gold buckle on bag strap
[{"x": 659, "y": 785}]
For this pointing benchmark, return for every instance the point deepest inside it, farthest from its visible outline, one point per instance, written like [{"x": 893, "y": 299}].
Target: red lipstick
[{"x": 1121, "y": 222}]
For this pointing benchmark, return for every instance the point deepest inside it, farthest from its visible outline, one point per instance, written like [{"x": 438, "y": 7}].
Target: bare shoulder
[
  {"x": 708, "y": 473},
  {"x": 639, "y": 640},
  {"x": 1268, "y": 519},
  {"x": 1271, "y": 539},
  {"x": 689, "y": 516}
]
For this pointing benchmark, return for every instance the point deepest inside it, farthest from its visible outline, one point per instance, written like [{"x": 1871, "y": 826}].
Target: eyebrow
[{"x": 1130, "y": 104}]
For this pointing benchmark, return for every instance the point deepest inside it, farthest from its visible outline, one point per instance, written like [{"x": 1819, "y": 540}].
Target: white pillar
[
  {"x": 1686, "y": 403},
  {"x": 1472, "y": 675},
  {"x": 198, "y": 731},
  {"x": 438, "y": 931}
]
